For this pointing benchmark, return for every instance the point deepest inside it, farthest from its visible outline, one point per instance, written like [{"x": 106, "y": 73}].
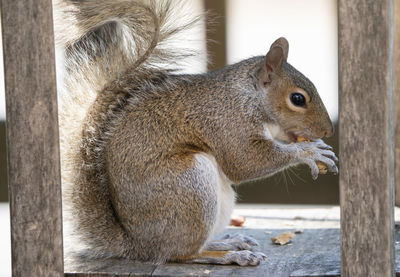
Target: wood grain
[
  {"x": 32, "y": 132},
  {"x": 216, "y": 33},
  {"x": 366, "y": 150},
  {"x": 107, "y": 267},
  {"x": 396, "y": 63}
]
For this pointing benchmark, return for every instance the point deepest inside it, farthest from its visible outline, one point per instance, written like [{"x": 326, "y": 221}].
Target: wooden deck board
[{"x": 315, "y": 252}]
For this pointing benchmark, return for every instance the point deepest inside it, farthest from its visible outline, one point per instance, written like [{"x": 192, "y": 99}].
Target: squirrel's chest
[{"x": 271, "y": 131}]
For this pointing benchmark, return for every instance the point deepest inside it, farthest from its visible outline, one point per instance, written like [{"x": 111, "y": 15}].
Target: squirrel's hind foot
[
  {"x": 231, "y": 249},
  {"x": 244, "y": 257},
  {"x": 232, "y": 242}
]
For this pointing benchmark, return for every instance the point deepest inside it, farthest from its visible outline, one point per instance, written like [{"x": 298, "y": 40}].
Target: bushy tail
[{"x": 102, "y": 40}]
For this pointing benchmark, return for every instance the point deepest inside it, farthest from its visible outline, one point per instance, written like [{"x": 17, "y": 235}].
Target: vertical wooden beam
[
  {"x": 396, "y": 65},
  {"x": 32, "y": 136},
  {"x": 366, "y": 137},
  {"x": 216, "y": 33}
]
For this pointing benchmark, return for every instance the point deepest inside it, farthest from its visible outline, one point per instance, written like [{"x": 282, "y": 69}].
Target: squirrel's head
[{"x": 292, "y": 99}]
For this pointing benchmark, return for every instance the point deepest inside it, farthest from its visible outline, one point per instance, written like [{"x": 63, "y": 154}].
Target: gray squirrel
[{"x": 149, "y": 156}]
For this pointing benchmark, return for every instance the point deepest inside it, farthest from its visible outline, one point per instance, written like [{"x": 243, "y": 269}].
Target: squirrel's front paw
[{"x": 316, "y": 154}]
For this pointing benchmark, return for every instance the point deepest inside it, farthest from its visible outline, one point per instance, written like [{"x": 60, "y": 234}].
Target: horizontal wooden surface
[{"x": 315, "y": 252}]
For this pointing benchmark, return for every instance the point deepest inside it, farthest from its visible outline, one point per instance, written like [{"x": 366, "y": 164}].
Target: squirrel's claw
[
  {"x": 330, "y": 164},
  {"x": 322, "y": 145},
  {"x": 330, "y": 155},
  {"x": 314, "y": 168}
]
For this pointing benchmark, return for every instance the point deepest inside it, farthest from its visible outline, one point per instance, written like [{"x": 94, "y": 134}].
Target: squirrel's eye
[{"x": 298, "y": 99}]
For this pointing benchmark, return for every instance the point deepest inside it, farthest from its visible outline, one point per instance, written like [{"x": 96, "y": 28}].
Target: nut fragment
[
  {"x": 301, "y": 139},
  {"x": 321, "y": 166},
  {"x": 283, "y": 238},
  {"x": 237, "y": 220}
]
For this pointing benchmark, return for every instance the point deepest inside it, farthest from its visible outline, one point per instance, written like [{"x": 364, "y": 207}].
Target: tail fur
[{"x": 103, "y": 40}]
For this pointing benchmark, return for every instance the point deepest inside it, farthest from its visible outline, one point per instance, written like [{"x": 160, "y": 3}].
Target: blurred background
[{"x": 245, "y": 28}]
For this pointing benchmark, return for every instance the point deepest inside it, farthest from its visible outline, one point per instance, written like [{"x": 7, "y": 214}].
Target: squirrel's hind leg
[{"x": 231, "y": 249}]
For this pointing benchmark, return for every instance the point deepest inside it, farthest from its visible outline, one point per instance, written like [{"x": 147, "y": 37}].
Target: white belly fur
[{"x": 225, "y": 194}]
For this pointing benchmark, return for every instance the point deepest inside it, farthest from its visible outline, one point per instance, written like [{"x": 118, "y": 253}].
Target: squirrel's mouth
[{"x": 290, "y": 135}]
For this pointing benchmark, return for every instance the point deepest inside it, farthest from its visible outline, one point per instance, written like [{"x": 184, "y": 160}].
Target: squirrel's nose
[
  {"x": 325, "y": 132},
  {"x": 329, "y": 133}
]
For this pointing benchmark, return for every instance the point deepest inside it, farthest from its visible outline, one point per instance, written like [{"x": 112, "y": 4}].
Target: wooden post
[
  {"x": 396, "y": 65},
  {"x": 366, "y": 137},
  {"x": 216, "y": 34},
  {"x": 32, "y": 133}
]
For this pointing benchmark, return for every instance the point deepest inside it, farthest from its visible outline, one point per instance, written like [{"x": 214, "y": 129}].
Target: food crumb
[
  {"x": 283, "y": 238},
  {"x": 237, "y": 220}
]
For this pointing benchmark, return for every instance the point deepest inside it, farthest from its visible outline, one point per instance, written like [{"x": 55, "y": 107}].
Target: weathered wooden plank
[
  {"x": 107, "y": 267},
  {"x": 216, "y": 33},
  {"x": 396, "y": 64},
  {"x": 366, "y": 150},
  {"x": 32, "y": 132}
]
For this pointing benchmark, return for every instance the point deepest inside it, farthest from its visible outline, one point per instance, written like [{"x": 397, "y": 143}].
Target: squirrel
[{"x": 149, "y": 156}]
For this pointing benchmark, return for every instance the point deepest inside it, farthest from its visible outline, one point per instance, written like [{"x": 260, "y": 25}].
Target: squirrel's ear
[
  {"x": 283, "y": 44},
  {"x": 275, "y": 58}
]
